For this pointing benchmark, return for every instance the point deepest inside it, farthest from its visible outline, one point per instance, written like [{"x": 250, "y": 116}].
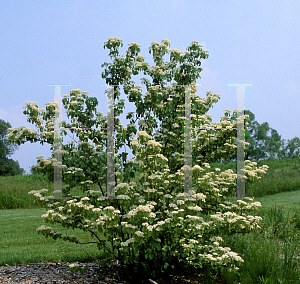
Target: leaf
[{"x": 157, "y": 246}]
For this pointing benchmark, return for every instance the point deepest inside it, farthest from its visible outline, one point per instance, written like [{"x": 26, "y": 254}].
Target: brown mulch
[
  {"x": 55, "y": 273},
  {"x": 58, "y": 273}
]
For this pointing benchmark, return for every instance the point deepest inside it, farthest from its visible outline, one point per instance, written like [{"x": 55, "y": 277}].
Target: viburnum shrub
[{"x": 150, "y": 230}]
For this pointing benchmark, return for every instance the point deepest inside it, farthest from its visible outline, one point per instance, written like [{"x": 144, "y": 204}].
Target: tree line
[{"x": 8, "y": 167}]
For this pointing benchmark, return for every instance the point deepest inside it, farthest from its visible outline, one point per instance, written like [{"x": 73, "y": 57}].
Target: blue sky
[{"x": 61, "y": 42}]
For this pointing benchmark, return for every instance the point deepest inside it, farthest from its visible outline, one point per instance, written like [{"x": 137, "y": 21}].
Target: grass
[
  {"x": 270, "y": 255},
  {"x": 20, "y": 243}
]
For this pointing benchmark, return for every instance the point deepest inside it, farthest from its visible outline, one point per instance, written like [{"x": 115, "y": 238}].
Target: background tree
[
  {"x": 265, "y": 146},
  {"x": 291, "y": 149},
  {"x": 33, "y": 170},
  {"x": 7, "y": 166}
]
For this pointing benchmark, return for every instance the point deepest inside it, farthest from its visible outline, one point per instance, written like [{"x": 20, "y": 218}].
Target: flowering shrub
[{"x": 152, "y": 227}]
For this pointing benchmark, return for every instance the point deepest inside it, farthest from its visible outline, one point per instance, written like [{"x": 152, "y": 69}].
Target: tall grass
[{"x": 271, "y": 255}]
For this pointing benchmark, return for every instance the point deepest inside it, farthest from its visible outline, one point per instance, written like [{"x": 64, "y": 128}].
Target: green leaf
[{"x": 157, "y": 246}]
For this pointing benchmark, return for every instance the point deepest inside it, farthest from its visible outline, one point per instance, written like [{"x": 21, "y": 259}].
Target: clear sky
[{"x": 61, "y": 42}]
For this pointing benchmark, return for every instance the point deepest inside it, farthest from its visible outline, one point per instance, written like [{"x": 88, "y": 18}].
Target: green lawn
[{"x": 20, "y": 243}]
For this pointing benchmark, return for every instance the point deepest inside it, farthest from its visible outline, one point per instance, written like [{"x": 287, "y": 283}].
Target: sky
[{"x": 61, "y": 42}]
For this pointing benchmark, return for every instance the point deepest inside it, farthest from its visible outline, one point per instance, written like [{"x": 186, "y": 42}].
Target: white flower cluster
[
  {"x": 37, "y": 193},
  {"x": 51, "y": 212},
  {"x": 125, "y": 244},
  {"x": 146, "y": 208}
]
